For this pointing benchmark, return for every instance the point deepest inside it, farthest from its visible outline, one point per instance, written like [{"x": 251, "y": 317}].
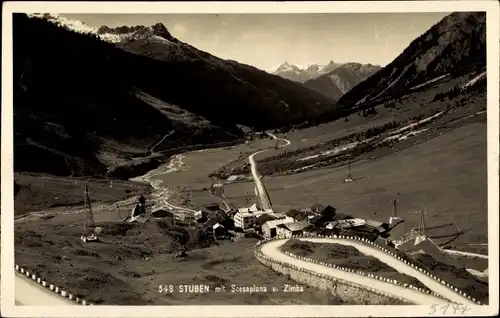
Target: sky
[{"x": 267, "y": 40}]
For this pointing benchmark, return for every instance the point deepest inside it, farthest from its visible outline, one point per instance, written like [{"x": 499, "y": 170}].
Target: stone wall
[
  {"x": 346, "y": 291},
  {"x": 347, "y": 286}
]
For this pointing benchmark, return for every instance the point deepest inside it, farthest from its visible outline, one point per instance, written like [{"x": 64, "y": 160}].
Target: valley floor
[{"x": 446, "y": 175}]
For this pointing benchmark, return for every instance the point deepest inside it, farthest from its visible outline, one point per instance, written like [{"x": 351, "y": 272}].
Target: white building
[
  {"x": 245, "y": 218},
  {"x": 269, "y": 228}
]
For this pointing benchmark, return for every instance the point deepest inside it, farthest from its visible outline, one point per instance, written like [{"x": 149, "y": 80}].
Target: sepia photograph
[{"x": 169, "y": 158}]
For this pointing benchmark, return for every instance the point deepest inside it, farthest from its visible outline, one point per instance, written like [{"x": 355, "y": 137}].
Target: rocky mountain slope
[
  {"x": 83, "y": 106},
  {"x": 241, "y": 92},
  {"x": 303, "y": 73},
  {"x": 342, "y": 79},
  {"x": 454, "y": 46}
]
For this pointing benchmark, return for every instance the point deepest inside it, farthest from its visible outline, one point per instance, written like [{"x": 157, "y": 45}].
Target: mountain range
[
  {"x": 332, "y": 79},
  {"x": 342, "y": 79},
  {"x": 114, "y": 101},
  {"x": 303, "y": 73},
  {"x": 89, "y": 101}
]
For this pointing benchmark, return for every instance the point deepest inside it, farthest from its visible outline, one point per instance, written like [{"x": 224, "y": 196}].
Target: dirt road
[
  {"x": 272, "y": 249},
  {"x": 263, "y": 195}
]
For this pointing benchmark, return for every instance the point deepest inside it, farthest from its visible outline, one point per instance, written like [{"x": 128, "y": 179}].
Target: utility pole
[
  {"x": 349, "y": 174},
  {"x": 394, "y": 207},
  {"x": 421, "y": 226},
  {"x": 394, "y": 219},
  {"x": 89, "y": 215}
]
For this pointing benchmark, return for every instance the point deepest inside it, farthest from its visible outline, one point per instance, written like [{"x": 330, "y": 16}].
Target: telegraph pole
[
  {"x": 89, "y": 215},
  {"x": 421, "y": 225},
  {"x": 394, "y": 207},
  {"x": 349, "y": 174},
  {"x": 395, "y": 218}
]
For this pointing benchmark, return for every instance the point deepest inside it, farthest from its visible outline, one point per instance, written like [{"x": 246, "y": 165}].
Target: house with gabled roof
[
  {"x": 292, "y": 228},
  {"x": 269, "y": 228}
]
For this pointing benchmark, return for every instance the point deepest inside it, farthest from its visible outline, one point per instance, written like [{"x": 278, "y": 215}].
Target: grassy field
[
  {"x": 193, "y": 178},
  {"x": 36, "y": 192},
  {"x": 446, "y": 176},
  {"x": 411, "y": 105},
  {"x": 130, "y": 263}
]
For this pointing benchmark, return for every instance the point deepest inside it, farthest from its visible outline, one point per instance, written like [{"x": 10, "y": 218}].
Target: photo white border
[{"x": 7, "y": 235}]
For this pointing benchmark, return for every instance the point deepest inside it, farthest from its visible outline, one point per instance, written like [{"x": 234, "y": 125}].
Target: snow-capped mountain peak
[
  {"x": 73, "y": 25},
  {"x": 138, "y": 32},
  {"x": 284, "y": 67},
  {"x": 156, "y": 32},
  {"x": 303, "y": 72}
]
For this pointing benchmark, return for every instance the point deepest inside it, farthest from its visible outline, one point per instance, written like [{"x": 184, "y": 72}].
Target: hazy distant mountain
[
  {"x": 454, "y": 45},
  {"x": 303, "y": 73},
  {"x": 342, "y": 79}
]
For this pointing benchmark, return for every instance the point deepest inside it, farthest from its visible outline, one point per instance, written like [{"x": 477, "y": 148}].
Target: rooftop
[
  {"x": 295, "y": 226},
  {"x": 263, "y": 218},
  {"x": 248, "y": 214},
  {"x": 217, "y": 226},
  {"x": 250, "y": 209},
  {"x": 374, "y": 223},
  {"x": 341, "y": 216},
  {"x": 274, "y": 223}
]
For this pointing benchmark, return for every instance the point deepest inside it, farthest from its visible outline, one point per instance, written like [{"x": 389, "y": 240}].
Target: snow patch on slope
[
  {"x": 435, "y": 79},
  {"x": 73, "y": 25},
  {"x": 393, "y": 82},
  {"x": 81, "y": 27},
  {"x": 474, "y": 80}
]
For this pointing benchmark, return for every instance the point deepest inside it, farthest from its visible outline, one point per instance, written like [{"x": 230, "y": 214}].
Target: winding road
[
  {"x": 272, "y": 249},
  {"x": 261, "y": 191}
]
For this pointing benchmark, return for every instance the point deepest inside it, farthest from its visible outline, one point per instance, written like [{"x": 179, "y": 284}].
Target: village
[{"x": 228, "y": 222}]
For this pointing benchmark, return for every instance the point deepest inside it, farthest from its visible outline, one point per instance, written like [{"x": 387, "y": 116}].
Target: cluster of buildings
[
  {"x": 268, "y": 223},
  {"x": 297, "y": 222},
  {"x": 325, "y": 221}
]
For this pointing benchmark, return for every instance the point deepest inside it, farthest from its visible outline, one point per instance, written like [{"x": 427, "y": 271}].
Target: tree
[{"x": 317, "y": 207}]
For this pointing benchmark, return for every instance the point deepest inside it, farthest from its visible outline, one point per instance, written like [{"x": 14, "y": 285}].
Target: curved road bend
[
  {"x": 272, "y": 249},
  {"x": 29, "y": 292},
  {"x": 266, "y": 205}
]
